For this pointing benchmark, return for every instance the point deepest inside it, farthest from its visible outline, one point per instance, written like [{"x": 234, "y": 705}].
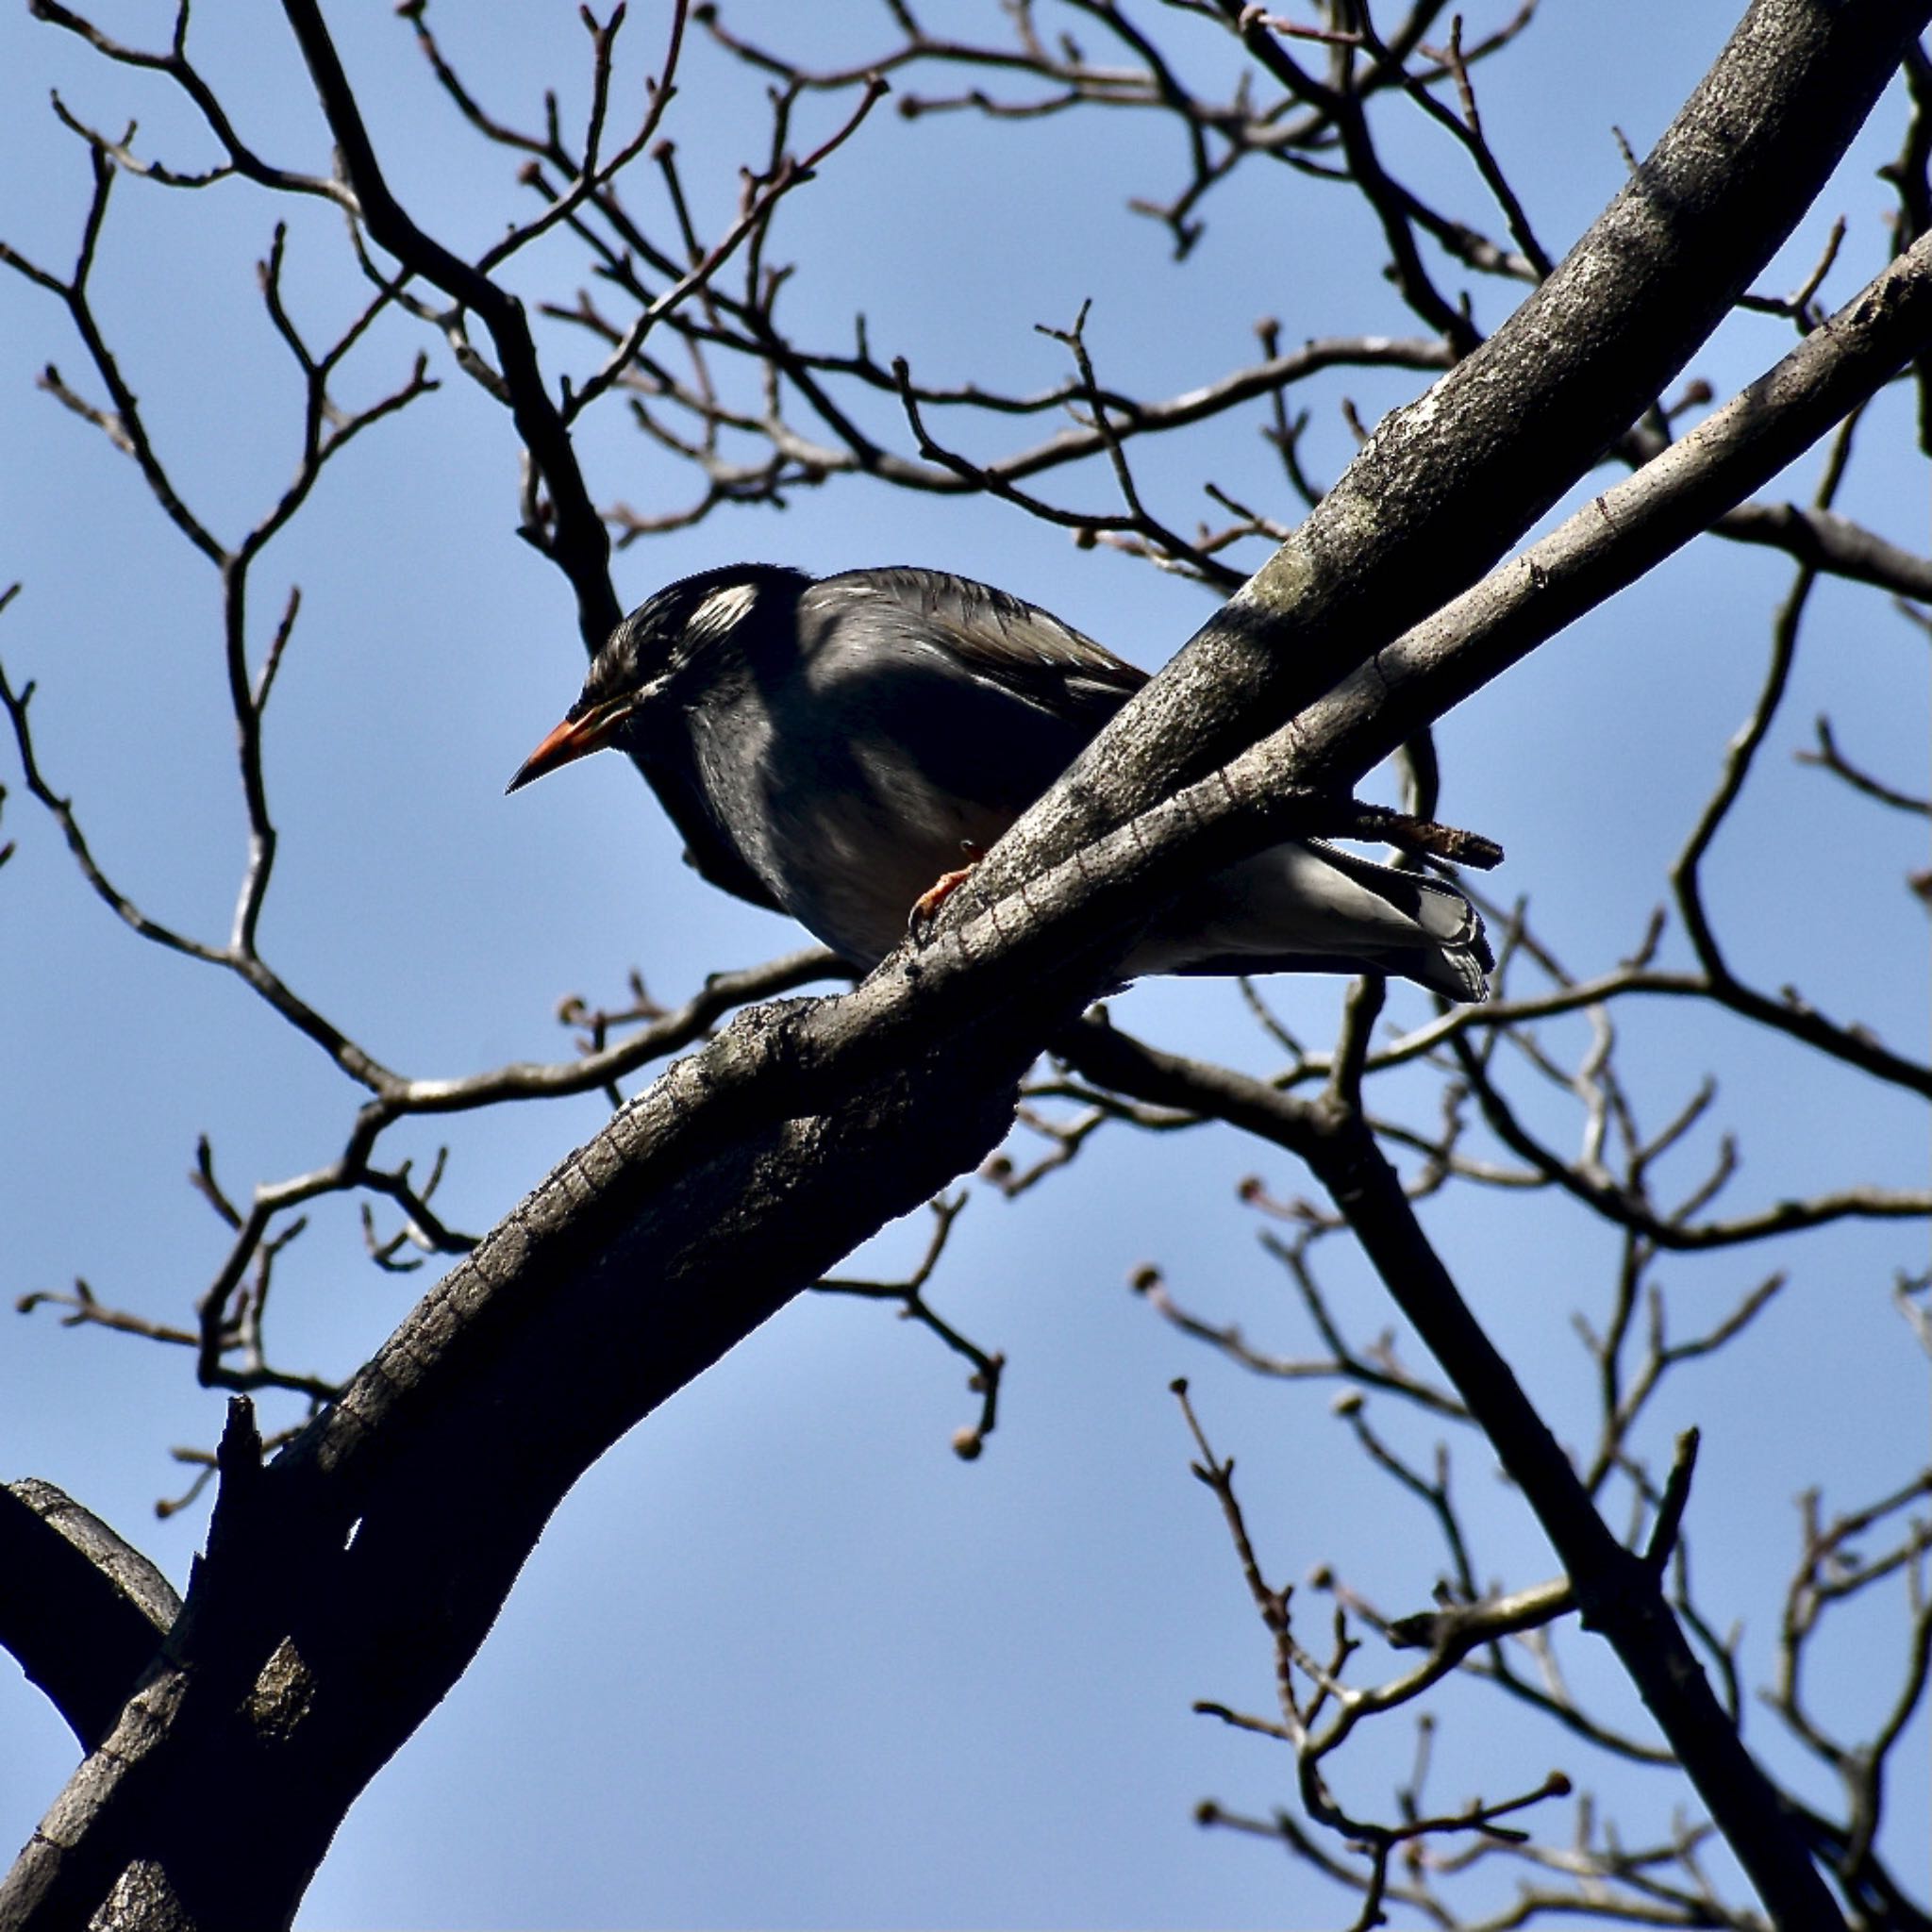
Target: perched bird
[{"x": 836, "y": 748}]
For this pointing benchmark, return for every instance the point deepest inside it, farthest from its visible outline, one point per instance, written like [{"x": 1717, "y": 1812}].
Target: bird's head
[{"x": 676, "y": 643}]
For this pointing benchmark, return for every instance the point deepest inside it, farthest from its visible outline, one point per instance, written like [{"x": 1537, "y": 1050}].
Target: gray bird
[{"x": 834, "y": 748}]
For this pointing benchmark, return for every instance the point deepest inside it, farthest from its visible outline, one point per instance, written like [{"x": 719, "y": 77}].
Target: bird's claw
[{"x": 925, "y": 908}]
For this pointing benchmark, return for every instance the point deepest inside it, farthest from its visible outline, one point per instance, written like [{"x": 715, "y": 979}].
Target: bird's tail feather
[{"x": 1311, "y": 907}]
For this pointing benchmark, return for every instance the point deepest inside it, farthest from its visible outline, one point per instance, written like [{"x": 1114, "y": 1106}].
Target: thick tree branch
[
  {"x": 83, "y": 1613},
  {"x": 1443, "y": 486}
]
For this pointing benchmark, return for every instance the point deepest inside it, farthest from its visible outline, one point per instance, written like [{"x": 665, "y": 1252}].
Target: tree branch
[{"x": 83, "y": 1611}]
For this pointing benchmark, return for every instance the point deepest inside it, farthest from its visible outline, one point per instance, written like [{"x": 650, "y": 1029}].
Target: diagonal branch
[
  {"x": 578, "y": 542},
  {"x": 82, "y": 1612},
  {"x": 1413, "y": 521}
]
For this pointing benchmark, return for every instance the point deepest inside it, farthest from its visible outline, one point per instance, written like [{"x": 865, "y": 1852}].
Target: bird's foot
[{"x": 925, "y": 908}]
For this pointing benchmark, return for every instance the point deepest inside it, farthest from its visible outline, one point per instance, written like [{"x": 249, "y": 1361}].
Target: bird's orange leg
[{"x": 925, "y": 908}]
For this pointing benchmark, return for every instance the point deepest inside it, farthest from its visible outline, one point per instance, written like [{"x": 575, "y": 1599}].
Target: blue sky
[{"x": 781, "y": 1659}]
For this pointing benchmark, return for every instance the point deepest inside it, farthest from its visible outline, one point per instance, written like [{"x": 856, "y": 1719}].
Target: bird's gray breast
[{"x": 853, "y": 772}]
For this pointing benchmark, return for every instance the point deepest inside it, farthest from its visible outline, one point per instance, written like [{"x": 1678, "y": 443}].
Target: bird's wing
[{"x": 1003, "y": 641}]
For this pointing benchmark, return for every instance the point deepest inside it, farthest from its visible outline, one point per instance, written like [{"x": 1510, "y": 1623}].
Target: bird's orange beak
[{"x": 576, "y": 738}]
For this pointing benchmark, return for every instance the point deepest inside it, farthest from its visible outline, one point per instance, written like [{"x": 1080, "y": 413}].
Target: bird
[{"x": 834, "y": 746}]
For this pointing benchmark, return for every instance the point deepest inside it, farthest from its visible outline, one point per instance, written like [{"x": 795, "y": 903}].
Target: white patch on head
[{"x": 723, "y": 609}]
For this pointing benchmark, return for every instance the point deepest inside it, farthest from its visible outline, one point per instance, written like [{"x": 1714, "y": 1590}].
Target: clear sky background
[{"x": 782, "y": 1658}]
